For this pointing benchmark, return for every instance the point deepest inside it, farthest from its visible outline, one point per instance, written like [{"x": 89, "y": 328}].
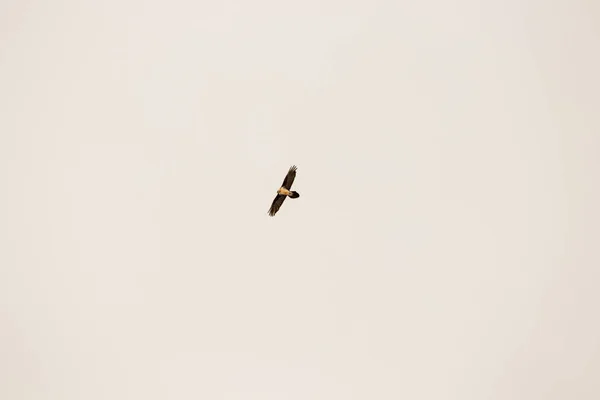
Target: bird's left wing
[{"x": 277, "y": 202}]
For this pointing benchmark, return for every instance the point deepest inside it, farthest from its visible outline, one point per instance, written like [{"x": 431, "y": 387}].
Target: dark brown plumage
[{"x": 284, "y": 191}]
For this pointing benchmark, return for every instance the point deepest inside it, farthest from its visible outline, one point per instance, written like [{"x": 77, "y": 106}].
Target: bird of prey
[{"x": 284, "y": 191}]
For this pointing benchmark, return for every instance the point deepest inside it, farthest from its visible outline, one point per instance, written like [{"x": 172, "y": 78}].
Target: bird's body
[{"x": 284, "y": 191}]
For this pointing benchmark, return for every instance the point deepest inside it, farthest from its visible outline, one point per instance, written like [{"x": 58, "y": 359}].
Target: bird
[{"x": 284, "y": 191}]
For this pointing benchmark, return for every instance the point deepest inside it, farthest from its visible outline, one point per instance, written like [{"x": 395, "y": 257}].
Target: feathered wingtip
[{"x": 294, "y": 195}]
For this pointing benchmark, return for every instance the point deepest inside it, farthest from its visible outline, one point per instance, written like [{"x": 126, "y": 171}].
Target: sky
[{"x": 445, "y": 244}]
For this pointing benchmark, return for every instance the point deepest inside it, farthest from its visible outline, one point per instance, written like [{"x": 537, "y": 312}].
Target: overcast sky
[{"x": 445, "y": 244}]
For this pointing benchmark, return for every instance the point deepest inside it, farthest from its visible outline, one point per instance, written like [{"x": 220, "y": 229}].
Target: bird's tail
[{"x": 294, "y": 195}]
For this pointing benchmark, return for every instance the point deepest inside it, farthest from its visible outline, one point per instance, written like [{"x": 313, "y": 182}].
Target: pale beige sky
[{"x": 445, "y": 244}]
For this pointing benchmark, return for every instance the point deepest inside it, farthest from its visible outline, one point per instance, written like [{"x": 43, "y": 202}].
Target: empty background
[{"x": 445, "y": 244}]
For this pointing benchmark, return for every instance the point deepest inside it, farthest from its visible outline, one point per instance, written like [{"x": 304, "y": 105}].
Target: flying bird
[{"x": 284, "y": 191}]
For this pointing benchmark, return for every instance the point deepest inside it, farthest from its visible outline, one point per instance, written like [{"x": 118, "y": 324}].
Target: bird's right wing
[
  {"x": 289, "y": 178},
  {"x": 276, "y": 204}
]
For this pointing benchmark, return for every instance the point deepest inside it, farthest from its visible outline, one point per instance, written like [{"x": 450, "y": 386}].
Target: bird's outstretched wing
[
  {"x": 289, "y": 178},
  {"x": 276, "y": 204}
]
